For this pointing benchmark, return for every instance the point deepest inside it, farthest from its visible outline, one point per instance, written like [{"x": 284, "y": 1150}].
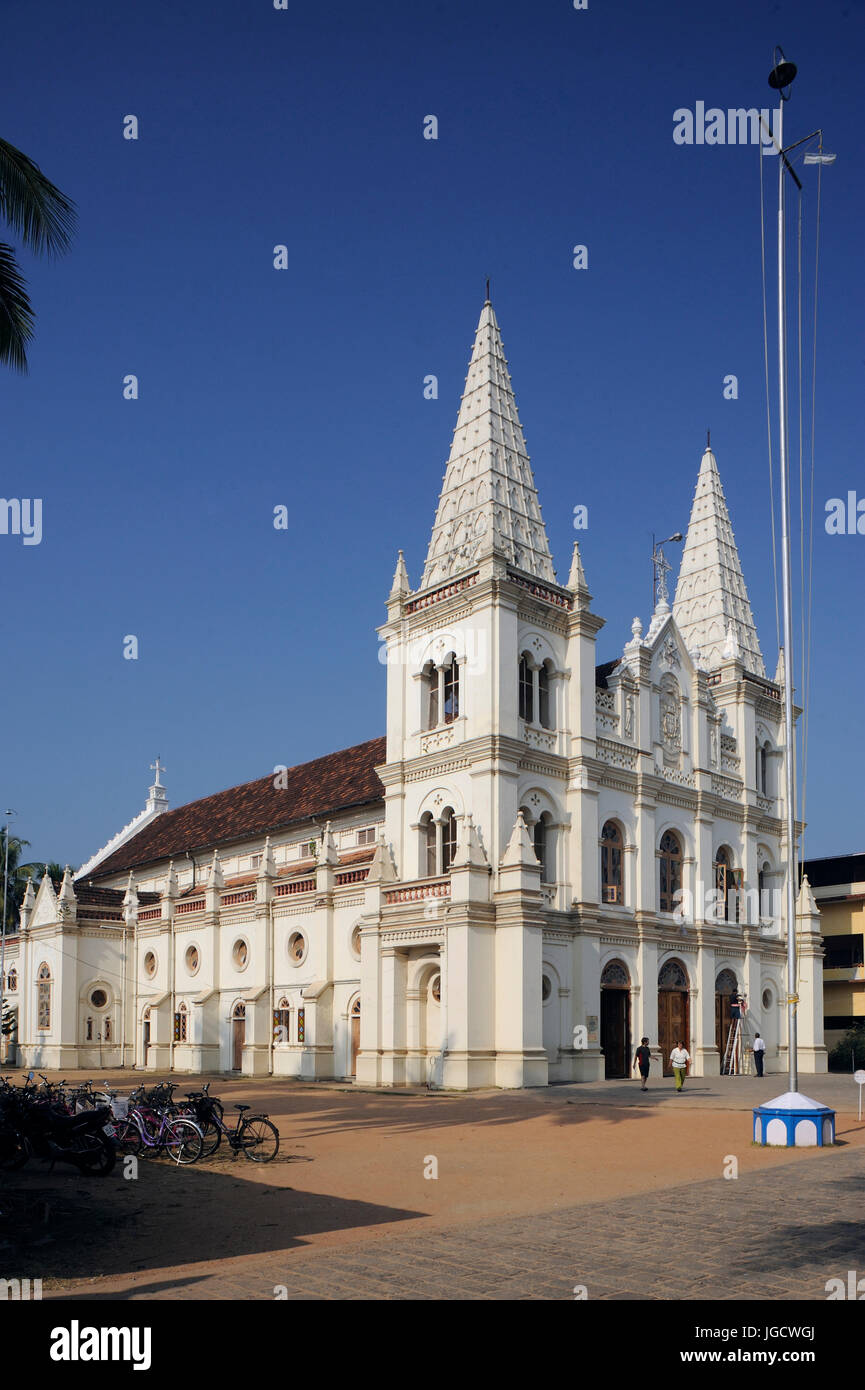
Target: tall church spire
[
  {"x": 489, "y": 502},
  {"x": 712, "y": 608}
]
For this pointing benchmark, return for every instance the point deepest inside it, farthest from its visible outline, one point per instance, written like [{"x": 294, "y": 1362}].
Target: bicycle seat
[{"x": 243, "y": 1107}]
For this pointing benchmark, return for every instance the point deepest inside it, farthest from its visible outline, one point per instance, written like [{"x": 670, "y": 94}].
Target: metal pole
[
  {"x": 3, "y": 943},
  {"x": 789, "y": 769}
]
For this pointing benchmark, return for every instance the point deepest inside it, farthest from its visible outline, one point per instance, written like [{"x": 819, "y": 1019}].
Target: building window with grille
[
  {"x": 669, "y": 872},
  {"x": 180, "y": 1024},
  {"x": 611, "y": 864},
  {"x": 43, "y": 997},
  {"x": 301, "y": 1025},
  {"x": 88, "y": 1030},
  {"x": 541, "y": 842},
  {"x": 728, "y": 882}
]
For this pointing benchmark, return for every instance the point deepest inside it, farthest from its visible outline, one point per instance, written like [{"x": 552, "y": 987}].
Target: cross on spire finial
[
  {"x": 488, "y": 289},
  {"x": 708, "y": 439},
  {"x": 158, "y": 768}
]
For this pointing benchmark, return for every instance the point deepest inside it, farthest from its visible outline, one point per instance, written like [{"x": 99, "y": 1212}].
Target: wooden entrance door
[
  {"x": 672, "y": 1022},
  {"x": 723, "y": 1019},
  {"x": 238, "y": 1038},
  {"x": 355, "y": 1035},
  {"x": 615, "y": 1031},
  {"x": 146, "y": 1039}
]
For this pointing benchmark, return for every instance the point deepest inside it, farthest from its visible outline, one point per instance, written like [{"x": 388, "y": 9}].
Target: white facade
[{"x": 651, "y": 788}]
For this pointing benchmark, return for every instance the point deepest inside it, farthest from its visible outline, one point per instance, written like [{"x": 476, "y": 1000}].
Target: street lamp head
[{"x": 782, "y": 73}]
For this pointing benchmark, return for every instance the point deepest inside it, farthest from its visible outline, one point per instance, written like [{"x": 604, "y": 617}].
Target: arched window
[
  {"x": 106, "y": 1030},
  {"x": 180, "y": 1024},
  {"x": 43, "y": 996},
  {"x": 451, "y": 691},
  {"x": 727, "y": 882},
  {"x": 763, "y": 890},
  {"x": 429, "y": 857},
  {"x": 526, "y": 690},
  {"x": 615, "y": 976},
  {"x": 431, "y": 676},
  {"x": 449, "y": 838},
  {"x": 282, "y": 1022},
  {"x": 13, "y": 981},
  {"x": 438, "y": 845},
  {"x": 611, "y": 864},
  {"x": 88, "y": 1030},
  {"x": 544, "y": 713},
  {"x": 670, "y": 872},
  {"x": 541, "y": 844}
]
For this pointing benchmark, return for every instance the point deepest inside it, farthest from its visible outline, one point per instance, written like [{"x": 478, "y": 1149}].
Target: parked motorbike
[{"x": 29, "y": 1125}]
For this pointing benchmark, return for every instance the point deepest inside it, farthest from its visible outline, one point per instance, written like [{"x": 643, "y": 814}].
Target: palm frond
[
  {"x": 42, "y": 215},
  {"x": 16, "y": 315}
]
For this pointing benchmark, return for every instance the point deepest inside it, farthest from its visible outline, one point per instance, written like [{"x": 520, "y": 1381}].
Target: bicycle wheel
[
  {"x": 96, "y": 1155},
  {"x": 258, "y": 1139},
  {"x": 182, "y": 1141},
  {"x": 211, "y": 1135},
  {"x": 128, "y": 1137}
]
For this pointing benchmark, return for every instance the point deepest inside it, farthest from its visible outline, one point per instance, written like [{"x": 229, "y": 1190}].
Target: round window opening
[
  {"x": 546, "y": 987},
  {"x": 99, "y": 998},
  {"x": 436, "y": 988},
  {"x": 192, "y": 959},
  {"x": 355, "y": 942},
  {"x": 150, "y": 964},
  {"x": 240, "y": 954},
  {"x": 296, "y": 947},
  {"x": 767, "y": 999}
]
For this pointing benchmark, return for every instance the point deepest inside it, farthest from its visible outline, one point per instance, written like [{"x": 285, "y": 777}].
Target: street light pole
[{"x": 9, "y": 814}]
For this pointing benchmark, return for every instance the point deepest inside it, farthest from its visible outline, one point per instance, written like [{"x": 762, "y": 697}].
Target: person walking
[
  {"x": 642, "y": 1059},
  {"x": 679, "y": 1059},
  {"x": 759, "y": 1049}
]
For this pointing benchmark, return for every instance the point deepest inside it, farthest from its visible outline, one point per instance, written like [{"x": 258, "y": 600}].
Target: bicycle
[
  {"x": 255, "y": 1136},
  {"x": 145, "y": 1128}
]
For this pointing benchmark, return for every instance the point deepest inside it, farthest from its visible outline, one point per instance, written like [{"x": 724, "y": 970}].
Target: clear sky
[{"x": 304, "y": 386}]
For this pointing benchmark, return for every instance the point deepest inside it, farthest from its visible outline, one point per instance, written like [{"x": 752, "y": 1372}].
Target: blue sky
[{"x": 303, "y": 387}]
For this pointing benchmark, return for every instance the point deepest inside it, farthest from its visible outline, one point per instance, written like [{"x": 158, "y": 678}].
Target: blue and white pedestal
[{"x": 794, "y": 1121}]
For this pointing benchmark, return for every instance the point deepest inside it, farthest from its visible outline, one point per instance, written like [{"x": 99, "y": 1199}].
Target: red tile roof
[{"x": 336, "y": 782}]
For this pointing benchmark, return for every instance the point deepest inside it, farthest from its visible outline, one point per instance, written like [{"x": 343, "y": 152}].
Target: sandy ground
[{"x": 351, "y": 1169}]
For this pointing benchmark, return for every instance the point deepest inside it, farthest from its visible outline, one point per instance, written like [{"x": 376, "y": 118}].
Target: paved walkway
[{"x": 775, "y": 1235}]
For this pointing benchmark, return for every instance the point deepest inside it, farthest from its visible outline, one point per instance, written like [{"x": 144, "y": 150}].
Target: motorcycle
[{"x": 86, "y": 1140}]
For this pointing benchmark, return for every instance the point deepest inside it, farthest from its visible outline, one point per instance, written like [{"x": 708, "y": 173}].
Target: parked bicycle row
[{"x": 88, "y": 1128}]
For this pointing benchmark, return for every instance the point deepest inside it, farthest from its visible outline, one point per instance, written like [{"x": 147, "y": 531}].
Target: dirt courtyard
[{"x": 356, "y": 1167}]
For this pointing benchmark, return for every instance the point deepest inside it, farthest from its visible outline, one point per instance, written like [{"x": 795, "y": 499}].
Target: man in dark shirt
[{"x": 642, "y": 1059}]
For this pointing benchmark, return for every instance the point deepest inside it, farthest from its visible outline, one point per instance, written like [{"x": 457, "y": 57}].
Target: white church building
[{"x": 542, "y": 861}]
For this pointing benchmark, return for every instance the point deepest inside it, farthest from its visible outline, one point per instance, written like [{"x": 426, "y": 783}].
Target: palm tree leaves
[
  {"x": 44, "y": 218},
  {"x": 16, "y": 316}
]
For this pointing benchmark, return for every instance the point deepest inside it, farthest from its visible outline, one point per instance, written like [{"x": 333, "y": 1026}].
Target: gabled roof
[
  {"x": 336, "y": 782},
  {"x": 488, "y": 502}
]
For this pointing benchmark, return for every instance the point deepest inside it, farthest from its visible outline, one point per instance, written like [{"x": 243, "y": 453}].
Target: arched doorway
[
  {"x": 355, "y": 1034},
  {"x": 672, "y": 1009},
  {"x": 145, "y": 1039},
  {"x": 615, "y": 1018},
  {"x": 238, "y": 1036},
  {"x": 726, "y": 986}
]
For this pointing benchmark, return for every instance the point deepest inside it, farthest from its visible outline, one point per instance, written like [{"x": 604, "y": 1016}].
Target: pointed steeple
[
  {"x": 577, "y": 577},
  {"x": 401, "y": 586},
  {"x": 488, "y": 502},
  {"x": 711, "y": 599}
]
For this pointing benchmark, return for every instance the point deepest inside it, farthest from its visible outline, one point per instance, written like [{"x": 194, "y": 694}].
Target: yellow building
[{"x": 839, "y": 888}]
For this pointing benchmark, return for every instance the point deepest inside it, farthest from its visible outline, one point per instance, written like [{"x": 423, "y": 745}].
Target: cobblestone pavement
[{"x": 772, "y": 1236}]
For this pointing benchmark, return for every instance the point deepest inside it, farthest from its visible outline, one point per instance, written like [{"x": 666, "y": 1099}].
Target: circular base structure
[{"x": 794, "y": 1121}]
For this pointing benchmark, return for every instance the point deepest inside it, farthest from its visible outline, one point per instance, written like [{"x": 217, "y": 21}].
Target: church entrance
[
  {"x": 615, "y": 1019},
  {"x": 238, "y": 1037},
  {"x": 725, "y": 987},
  {"x": 355, "y": 1035},
  {"x": 672, "y": 1010}
]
